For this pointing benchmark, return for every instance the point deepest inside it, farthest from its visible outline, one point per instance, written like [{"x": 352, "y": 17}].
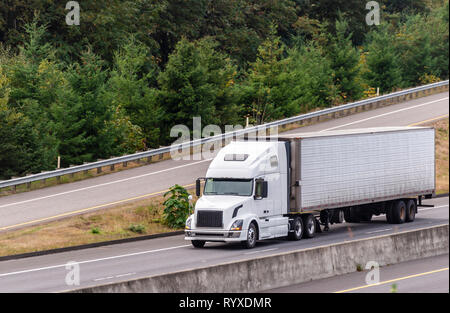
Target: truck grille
[{"x": 209, "y": 219}]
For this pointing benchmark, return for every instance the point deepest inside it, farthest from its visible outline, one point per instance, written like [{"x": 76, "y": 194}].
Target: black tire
[
  {"x": 338, "y": 216},
  {"x": 366, "y": 216},
  {"x": 352, "y": 215},
  {"x": 198, "y": 243},
  {"x": 399, "y": 212},
  {"x": 309, "y": 226},
  {"x": 389, "y": 207},
  {"x": 410, "y": 211},
  {"x": 297, "y": 225},
  {"x": 252, "y": 236}
]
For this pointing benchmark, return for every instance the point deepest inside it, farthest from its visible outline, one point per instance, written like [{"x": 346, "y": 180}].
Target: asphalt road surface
[
  {"x": 428, "y": 275},
  {"x": 128, "y": 261},
  {"x": 46, "y": 204}
]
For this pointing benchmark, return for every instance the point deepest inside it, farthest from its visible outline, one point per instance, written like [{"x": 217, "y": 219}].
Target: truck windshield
[{"x": 226, "y": 186}]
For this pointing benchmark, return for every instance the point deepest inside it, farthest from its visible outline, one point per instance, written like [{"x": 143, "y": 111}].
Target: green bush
[
  {"x": 137, "y": 228},
  {"x": 95, "y": 230},
  {"x": 176, "y": 207}
]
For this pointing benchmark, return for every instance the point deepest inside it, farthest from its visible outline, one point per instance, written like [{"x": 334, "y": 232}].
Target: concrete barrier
[{"x": 294, "y": 267}]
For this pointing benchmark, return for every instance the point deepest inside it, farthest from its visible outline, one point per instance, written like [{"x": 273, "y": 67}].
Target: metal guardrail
[{"x": 233, "y": 134}]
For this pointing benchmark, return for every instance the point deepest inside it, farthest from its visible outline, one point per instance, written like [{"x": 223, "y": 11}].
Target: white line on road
[
  {"x": 253, "y": 252},
  {"x": 378, "y": 231},
  {"x": 104, "y": 184},
  {"x": 384, "y": 114},
  {"x": 94, "y": 260}
]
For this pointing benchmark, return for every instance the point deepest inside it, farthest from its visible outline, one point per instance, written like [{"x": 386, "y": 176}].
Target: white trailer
[{"x": 265, "y": 188}]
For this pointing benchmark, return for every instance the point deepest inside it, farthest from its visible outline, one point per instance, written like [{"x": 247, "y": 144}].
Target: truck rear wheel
[
  {"x": 398, "y": 212},
  {"x": 252, "y": 236},
  {"x": 366, "y": 216},
  {"x": 198, "y": 243},
  {"x": 410, "y": 211},
  {"x": 297, "y": 226},
  {"x": 309, "y": 223},
  {"x": 352, "y": 215}
]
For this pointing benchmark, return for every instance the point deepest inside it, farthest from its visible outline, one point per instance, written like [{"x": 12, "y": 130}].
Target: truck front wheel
[
  {"x": 252, "y": 235},
  {"x": 198, "y": 243}
]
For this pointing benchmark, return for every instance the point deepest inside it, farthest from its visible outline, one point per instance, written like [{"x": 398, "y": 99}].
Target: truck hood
[{"x": 220, "y": 202}]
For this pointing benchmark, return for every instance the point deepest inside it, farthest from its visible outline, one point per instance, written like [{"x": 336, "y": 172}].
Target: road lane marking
[
  {"x": 104, "y": 184},
  {"x": 94, "y": 260},
  {"x": 253, "y": 252},
  {"x": 378, "y": 231},
  {"x": 384, "y": 114},
  {"x": 88, "y": 209},
  {"x": 429, "y": 120},
  {"x": 393, "y": 280}
]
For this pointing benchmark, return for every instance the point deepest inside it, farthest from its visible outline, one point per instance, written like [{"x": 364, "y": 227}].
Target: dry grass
[
  {"x": 111, "y": 223},
  {"x": 442, "y": 167}
]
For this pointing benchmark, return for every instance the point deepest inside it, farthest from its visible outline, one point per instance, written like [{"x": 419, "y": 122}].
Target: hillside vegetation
[{"x": 131, "y": 70}]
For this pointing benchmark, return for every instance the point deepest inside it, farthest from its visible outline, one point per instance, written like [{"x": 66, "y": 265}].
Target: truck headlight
[
  {"x": 188, "y": 223},
  {"x": 237, "y": 225}
]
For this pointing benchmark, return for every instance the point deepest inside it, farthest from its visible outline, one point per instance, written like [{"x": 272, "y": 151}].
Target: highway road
[
  {"x": 428, "y": 275},
  {"x": 46, "y": 204},
  {"x": 128, "y": 261}
]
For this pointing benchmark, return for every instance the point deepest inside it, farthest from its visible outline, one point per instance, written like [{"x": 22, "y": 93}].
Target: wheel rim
[
  {"x": 402, "y": 212},
  {"x": 251, "y": 236},
  {"x": 298, "y": 229},
  {"x": 311, "y": 225}
]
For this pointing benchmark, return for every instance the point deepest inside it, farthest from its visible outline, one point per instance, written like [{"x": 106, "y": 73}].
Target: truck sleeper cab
[{"x": 267, "y": 188}]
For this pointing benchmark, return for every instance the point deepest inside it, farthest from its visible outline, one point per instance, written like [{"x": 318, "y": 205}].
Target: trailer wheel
[
  {"x": 399, "y": 212},
  {"x": 252, "y": 235},
  {"x": 366, "y": 216},
  {"x": 198, "y": 243},
  {"x": 338, "y": 216},
  {"x": 389, "y": 207},
  {"x": 297, "y": 225},
  {"x": 309, "y": 223},
  {"x": 410, "y": 211},
  {"x": 352, "y": 215}
]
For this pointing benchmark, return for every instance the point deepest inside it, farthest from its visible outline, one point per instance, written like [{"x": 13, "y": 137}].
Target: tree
[
  {"x": 129, "y": 88},
  {"x": 344, "y": 60},
  {"x": 263, "y": 78},
  {"x": 197, "y": 81},
  {"x": 382, "y": 61}
]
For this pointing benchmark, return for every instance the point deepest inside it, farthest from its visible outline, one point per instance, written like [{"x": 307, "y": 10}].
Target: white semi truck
[{"x": 290, "y": 186}]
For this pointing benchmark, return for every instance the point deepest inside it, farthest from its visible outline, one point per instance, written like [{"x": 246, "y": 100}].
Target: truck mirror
[
  {"x": 197, "y": 187},
  {"x": 264, "y": 189}
]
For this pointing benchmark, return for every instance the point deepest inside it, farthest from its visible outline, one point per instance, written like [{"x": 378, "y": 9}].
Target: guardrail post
[
  {"x": 99, "y": 170},
  {"x": 125, "y": 164},
  {"x": 112, "y": 167}
]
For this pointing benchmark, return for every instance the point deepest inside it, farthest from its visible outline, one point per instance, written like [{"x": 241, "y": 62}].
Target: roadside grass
[{"x": 138, "y": 218}]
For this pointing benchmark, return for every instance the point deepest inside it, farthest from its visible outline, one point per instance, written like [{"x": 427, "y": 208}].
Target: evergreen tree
[
  {"x": 344, "y": 60},
  {"x": 383, "y": 70}
]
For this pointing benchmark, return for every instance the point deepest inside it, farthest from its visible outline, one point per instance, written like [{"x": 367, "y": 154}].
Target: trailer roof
[{"x": 356, "y": 131}]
